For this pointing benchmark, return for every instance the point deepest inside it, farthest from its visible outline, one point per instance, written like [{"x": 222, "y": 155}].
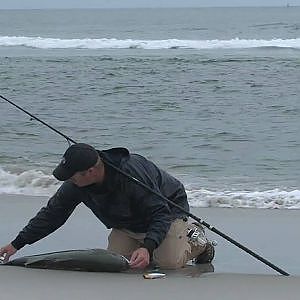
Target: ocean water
[{"x": 209, "y": 94}]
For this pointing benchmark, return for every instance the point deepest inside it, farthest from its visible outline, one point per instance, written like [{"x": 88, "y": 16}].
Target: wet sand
[
  {"x": 48, "y": 284},
  {"x": 273, "y": 234}
]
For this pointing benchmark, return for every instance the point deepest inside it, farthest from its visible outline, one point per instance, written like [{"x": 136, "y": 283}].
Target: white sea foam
[
  {"x": 35, "y": 182},
  {"x": 112, "y": 43},
  {"x": 32, "y": 182},
  {"x": 248, "y": 199}
]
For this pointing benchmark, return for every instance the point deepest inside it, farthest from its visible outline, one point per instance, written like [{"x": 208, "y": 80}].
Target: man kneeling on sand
[{"x": 144, "y": 226}]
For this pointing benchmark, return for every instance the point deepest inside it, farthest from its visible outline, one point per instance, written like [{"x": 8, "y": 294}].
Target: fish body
[{"x": 90, "y": 260}]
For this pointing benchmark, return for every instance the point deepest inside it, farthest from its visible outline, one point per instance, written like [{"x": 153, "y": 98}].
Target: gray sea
[{"x": 209, "y": 94}]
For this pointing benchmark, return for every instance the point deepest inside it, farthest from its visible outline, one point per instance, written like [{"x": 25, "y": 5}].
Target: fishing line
[{"x": 138, "y": 182}]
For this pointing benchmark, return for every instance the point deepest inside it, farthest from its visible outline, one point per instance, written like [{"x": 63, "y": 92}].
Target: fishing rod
[
  {"x": 36, "y": 118},
  {"x": 149, "y": 189}
]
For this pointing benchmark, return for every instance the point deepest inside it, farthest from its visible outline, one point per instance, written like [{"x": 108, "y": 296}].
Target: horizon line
[{"x": 151, "y": 7}]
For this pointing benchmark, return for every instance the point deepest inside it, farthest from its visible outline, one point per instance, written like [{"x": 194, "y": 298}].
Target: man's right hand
[{"x": 7, "y": 251}]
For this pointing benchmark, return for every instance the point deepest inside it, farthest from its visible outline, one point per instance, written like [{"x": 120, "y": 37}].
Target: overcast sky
[{"x": 138, "y": 3}]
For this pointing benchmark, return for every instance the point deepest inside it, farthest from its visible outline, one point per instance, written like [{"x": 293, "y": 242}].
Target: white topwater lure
[{"x": 154, "y": 275}]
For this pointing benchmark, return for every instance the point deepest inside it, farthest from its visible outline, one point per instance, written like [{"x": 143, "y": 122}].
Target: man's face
[{"x": 83, "y": 178}]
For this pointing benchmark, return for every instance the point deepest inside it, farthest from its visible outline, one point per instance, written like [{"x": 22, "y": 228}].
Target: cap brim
[{"x": 61, "y": 173}]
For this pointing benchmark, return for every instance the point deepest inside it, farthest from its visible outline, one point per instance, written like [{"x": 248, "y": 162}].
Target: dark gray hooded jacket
[{"x": 118, "y": 202}]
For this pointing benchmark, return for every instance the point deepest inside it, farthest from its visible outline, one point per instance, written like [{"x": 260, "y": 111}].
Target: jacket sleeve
[
  {"x": 157, "y": 215},
  {"x": 49, "y": 218},
  {"x": 155, "y": 210}
]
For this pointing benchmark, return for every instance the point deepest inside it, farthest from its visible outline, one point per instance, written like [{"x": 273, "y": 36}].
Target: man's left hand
[{"x": 140, "y": 258}]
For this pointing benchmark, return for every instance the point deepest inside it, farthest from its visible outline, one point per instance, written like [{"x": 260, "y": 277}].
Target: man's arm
[
  {"x": 159, "y": 218},
  {"x": 156, "y": 213},
  {"x": 47, "y": 220}
]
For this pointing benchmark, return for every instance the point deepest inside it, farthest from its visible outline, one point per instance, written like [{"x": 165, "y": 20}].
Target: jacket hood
[{"x": 114, "y": 155}]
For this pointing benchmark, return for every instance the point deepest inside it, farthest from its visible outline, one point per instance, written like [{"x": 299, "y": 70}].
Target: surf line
[{"x": 149, "y": 189}]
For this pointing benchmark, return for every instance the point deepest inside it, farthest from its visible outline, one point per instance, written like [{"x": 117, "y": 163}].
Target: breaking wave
[
  {"x": 37, "y": 183},
  {"x": 275, "y": 198},
  {"x": 31, "y": 182},
  {"x": 112, "y": 43}
]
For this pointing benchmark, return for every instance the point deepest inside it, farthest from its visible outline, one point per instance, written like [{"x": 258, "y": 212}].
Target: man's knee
[{"x": 120, "y": 242}]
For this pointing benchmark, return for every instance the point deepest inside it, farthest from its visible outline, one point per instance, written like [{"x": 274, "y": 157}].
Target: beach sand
[{"x": 273, "y": 234}]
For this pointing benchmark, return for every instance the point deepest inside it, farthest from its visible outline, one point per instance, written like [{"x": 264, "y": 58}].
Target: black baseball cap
[{"x": 78, "y": 157}]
